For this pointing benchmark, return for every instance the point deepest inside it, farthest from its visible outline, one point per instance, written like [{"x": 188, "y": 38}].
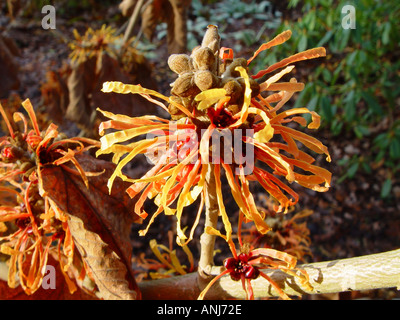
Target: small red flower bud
[
  {"x": 236, "y": 276},
  {"x": 244, "y": 257},
  {"x": 230, "y": 263},
  {"x": 251, "y": 272}
]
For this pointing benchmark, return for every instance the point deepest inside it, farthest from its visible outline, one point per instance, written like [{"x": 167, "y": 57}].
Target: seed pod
[
  {"x": 239, "y": 62},
  {"x": 191, "y": 67},
  {"x": 205, "y": 80},
  {"x": 26, "y": 166},
  {"x": 233, "y": 89},
  {"x": 183, "y": 101},
  {"x": 184, "y": 86},
  {"x": 174, "y": 111},
  {"x": 211, "y": 38},
  {"x": 179, "y": 63},
  {"x": 255, "y": 88},
  {"x": 203, "y": 58},
  {"x": 224, "y": 65}
]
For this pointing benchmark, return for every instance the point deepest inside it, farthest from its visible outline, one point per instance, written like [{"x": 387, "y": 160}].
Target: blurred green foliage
[
  {"x": 225, "y": 14},
  {"x": 356, "y": 88}
]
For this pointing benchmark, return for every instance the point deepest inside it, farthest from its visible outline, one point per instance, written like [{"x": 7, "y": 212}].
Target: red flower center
[
  {"x": 241, "y": 268},
  {"x": 222, "y": 118}
]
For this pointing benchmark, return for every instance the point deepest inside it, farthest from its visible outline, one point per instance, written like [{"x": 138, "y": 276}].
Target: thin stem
[
  {"x": 132, "y": 21},
  {"x": 207, "y": 241}
]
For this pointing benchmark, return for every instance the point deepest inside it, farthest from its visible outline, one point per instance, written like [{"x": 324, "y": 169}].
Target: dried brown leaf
[
  {"x": 85, "y": 83},
  {"x": 80, "y": 84},
  {"x": 55, "y": 93},
  {"x": 99, "y": 223},
  {"x": 127, "y": 6},
  {"x": 174, "y": 13},
  {"x": 107, "y": 269}
]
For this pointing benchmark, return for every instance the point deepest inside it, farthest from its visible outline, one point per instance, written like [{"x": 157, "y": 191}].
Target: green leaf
[
  {"x": 302, "y": 43},
  {"x": 352, "y": 170},
  {"x": 367, "y": 168},
  {"x": 386, "y": 188},
  {"x": 327, "y": 75},
  {"x": 362, "y": 57},
  {"x": 312, "y": 19},
  {"x": 326, "y": 108},
  {"x": 344, "y": 39},
  {"x": 380, "y": 155},
  {"x": 372, "y": 103},
  {"x": 350, "y": 107},
  {"x": 350, "y": 58},
  {"x": 336, "y": 126},
  {"x": 313, "y": 103},
  {"x": 361, "y": 131},
  {"x": 325, "y": 39},
  {"x": 382, "y": 140},
  {"x": 386, "y": 33},
  {"x": 394, "y": 149}
]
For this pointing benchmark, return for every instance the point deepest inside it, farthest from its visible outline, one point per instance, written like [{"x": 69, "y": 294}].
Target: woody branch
[
  {"x": 207, "y": 241},
  {"x": 368, "y": 272}
]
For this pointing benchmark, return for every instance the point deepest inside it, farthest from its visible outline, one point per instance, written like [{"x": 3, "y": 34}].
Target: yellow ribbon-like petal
[{"x": 209, "y": 97}]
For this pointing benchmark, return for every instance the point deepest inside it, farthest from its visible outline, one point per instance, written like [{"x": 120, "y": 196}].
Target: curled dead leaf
[{"x": 99, "y": 222}]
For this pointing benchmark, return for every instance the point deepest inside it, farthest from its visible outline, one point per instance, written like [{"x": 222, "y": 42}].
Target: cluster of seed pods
[{"x": 204, "y": 69}]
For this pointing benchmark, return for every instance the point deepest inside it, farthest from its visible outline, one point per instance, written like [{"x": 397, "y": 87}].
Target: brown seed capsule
[
  {"x": 205, "y": 80},
  {"x": 239, "y": 62},
  {"x": 179, "y": 63},
  {"x": 203, "y": 58},
  {"x": 186, "y": 102},
  {"x": 233, "y": 89},
  {"x": 255, "y": 88},
  {"x": 211, "y": 38},
  {"x": 26, "y": 166},
  {"x": 224, "y": 65},
  {"x": 174, "y": 111},
  {"x": 183, "y": 86}
]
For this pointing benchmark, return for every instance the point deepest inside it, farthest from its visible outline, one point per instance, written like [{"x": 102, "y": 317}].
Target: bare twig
[
  {"x": 375, "y": 271},
  {"x": 207, "y": 241},
  {"x": 368, "y": 272},
  {"x": 132, "y": 21}
]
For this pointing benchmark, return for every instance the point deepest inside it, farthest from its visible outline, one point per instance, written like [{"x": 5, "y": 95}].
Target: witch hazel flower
[{"x": 220, "y": 115}]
